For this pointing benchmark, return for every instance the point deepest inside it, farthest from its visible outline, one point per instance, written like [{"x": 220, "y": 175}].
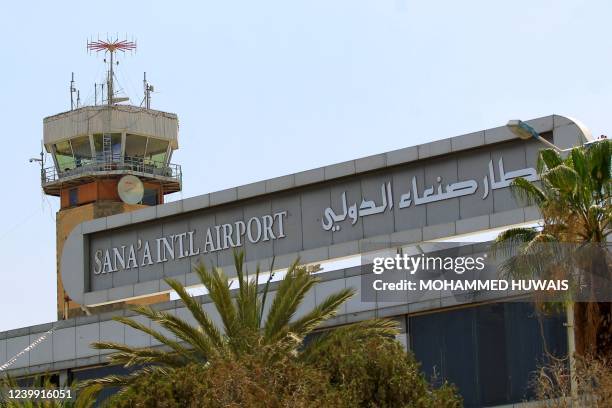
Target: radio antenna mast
[
  {"x": 110, "y": 47},
  {"x": 72, "y": 92},
  {"x": 148, "y": 88}
]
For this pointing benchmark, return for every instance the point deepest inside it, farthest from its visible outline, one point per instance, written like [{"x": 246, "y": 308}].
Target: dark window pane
[
  {"x": 524, "y": 338},
  {"x": 490, "y": 352},
  {"x": 135, "y": 145},
  {"x": 73, "y": 197},
  {"x": 149, "y": 197},
  {"x": 99, "y": 372},
  {"x": 444, "y": 344},
  {"x": 491, "y": 340}
]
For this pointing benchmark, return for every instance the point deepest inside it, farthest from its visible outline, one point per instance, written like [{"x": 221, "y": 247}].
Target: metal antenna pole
[
  {"x": 144, "y": 85},
  {"x": 72, "y": 92},
  {"x": 109, "y": 86},
  {"x": 147, "y": 91},
  {"x": 42, "y": 157},
  {"x": 95, "y": 94}
]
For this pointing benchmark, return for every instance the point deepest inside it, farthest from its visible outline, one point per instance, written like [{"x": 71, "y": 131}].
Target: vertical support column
[
  {"x": 63, "y": 378},
  {"x": 571, "y": 348}
]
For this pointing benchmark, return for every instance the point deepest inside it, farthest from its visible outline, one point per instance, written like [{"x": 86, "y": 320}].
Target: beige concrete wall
[
  {"x": 123, "y": 118},
  {"x": 66, "y": 221}
]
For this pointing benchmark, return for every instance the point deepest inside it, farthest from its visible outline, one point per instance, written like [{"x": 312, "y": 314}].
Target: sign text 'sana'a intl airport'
[{"x": 117, "y": 240}]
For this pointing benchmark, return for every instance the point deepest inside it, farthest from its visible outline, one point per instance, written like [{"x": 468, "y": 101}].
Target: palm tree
[
  {"x": 244, "y": 329},
  {"x": 574, "y": 200}
]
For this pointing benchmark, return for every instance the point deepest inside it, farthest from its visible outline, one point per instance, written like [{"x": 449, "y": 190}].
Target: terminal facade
[{"x": 117, "y": 240}]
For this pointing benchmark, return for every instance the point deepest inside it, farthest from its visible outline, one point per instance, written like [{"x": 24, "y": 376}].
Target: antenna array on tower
[
  {"x": 111, "y": 46},
  {"x": 109, "y": 96}
]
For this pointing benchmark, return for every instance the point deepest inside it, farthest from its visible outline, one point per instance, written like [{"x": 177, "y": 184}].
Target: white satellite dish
[{"x": 130, "y": 189}]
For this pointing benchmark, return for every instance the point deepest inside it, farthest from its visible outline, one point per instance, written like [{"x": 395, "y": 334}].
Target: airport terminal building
[{"x": 117, "y": 240}]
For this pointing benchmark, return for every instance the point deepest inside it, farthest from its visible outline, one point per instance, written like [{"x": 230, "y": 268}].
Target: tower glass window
[
  {"x": 135, "y": 146},
  {"x": 63, "y": 156},
  {"x": 82, "y": 150},
  {"x": 156, "y": 152},
  {"x": 113, "y": 147}
]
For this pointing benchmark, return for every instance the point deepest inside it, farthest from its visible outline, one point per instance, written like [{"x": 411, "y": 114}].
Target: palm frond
[
  {"x": 266, "y": 289},
  {"x": 246, "y": 299},
  {"x": 181, "y": 329},
  {"x": 323, "y": 311},
  {"x": 121, "y": 380},
  {"x": 129, "y": 356},
  {"x": 155, "y": 334},
  {"x": 186, "y": 332},
  {"x": 563, "y": 178},
  {"x": 509, "y": 241},
  {"x": 145, "y": 357},
  {"x": 526, "y": 192},
  {"x": 218, "y": 287},
  {"x": 205, "y": 322},
  {"x": 291, "y": 291},
  {"x": 86, "y": 397},
  {"x": 599, "y": 160},
  {"x": 548, "y": 159},
  {"x": 579, "y": 162}
]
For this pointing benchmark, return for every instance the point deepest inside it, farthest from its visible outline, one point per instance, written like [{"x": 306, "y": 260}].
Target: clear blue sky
[{"x": 265, "y": 88}]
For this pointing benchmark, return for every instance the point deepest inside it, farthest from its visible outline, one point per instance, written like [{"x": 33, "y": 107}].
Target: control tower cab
[{"x": 93, "y": 147}]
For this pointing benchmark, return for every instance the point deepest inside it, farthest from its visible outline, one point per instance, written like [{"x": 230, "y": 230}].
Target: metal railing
[{"x": 112, "y": 163}]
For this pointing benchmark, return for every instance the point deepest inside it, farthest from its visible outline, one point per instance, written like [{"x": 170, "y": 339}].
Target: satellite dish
[{"x": 130, "y": 189}]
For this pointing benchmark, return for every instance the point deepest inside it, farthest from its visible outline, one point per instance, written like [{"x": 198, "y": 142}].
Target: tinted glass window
[
  {"x": 63, "y": 155},
  {"x": 156, "y": 152},
  {"x": 489, "y": 352},
  {"x": 81, "y": 149},
  {"x": 114, "y": 147},
  {"x": 73, "y": 197},
  {"x": 149, "y": 197},
  {"x": 135, "y": 145}
]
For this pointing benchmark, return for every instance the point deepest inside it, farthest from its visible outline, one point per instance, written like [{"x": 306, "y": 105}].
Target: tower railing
[{"x": 102, "y": 164}]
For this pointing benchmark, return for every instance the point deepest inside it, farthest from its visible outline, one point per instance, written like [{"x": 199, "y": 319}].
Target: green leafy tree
[
  {"x": 378, "y": 372},
  {"x": 245, "y": 330},
  {"x": 245, "y": 381},
  {"x": 353, "y": 371},
  {"x": 574, "y": 200}
]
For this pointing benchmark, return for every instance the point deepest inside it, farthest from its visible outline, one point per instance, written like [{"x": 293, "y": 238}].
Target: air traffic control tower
[{"x": 108, "y": 158}]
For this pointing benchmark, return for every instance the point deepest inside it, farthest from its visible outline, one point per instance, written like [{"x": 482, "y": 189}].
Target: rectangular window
[
  {"x": 113, "y": 148},
  {"x": 116, "y": 146},
  {"x": 73, "y": 197},
  {"x": 135, "y": 145},
  {"x": 63, "y": 156},
  {"x": 156, "y": 152},
  {"x": 149, "y": 197},
  {"x": 82, "y": 150},
  {"x": 489, "y": 352}
]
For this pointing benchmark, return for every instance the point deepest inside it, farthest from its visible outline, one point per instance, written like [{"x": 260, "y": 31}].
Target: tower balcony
[{"x": 79, "y": 172}]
